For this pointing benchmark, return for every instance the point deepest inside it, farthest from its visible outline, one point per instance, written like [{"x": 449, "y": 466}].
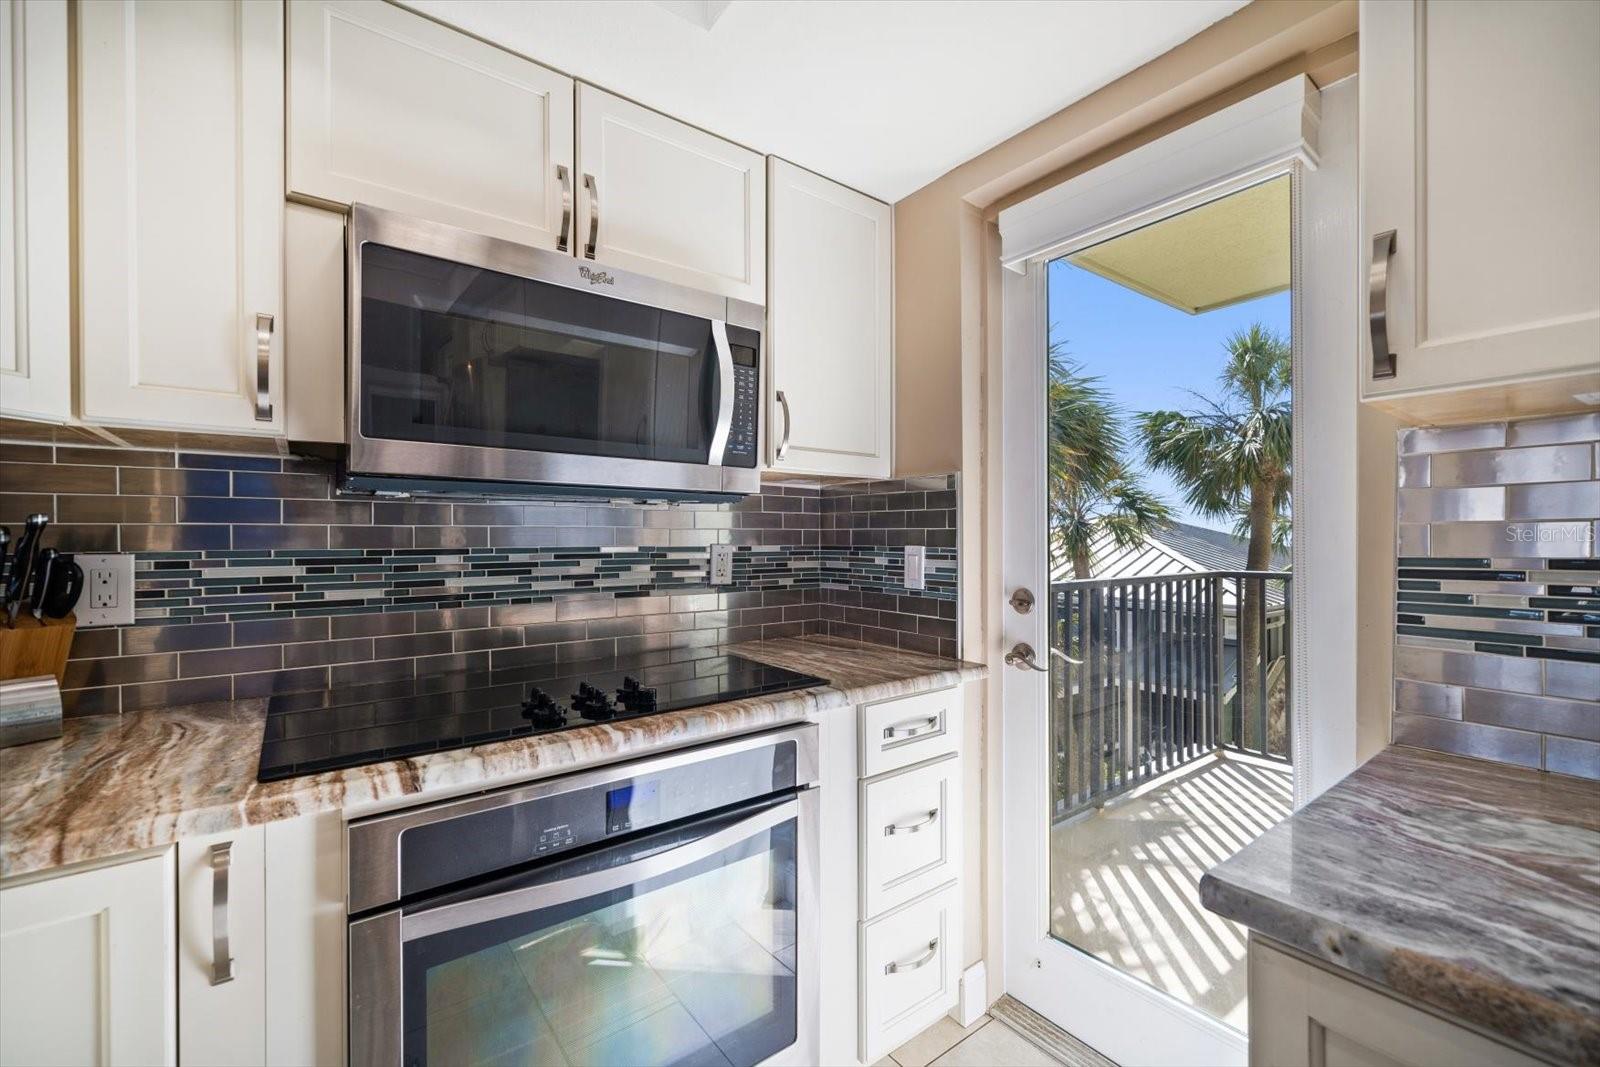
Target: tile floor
[{"x": 1009, "y": 1034}]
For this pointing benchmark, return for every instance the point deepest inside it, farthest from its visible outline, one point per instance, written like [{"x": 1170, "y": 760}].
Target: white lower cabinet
[
  {"x": 222, "y": 949},
  {"x": 910, "y": 970},
  {"x": 86, "y": 967},
  {"x": 892, "y": 907},
  {"x": 1302, "y": 1014},
  {"x": 910, "y": 841}
]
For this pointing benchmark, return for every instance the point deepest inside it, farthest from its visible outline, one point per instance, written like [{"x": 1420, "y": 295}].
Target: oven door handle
[
  {"x": 719, "y": 434},
  {"x": 535, "y": 898}
]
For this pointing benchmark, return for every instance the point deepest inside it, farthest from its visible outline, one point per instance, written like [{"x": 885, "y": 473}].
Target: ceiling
[
  {"x": 1220, "y": 253},
  {"x": 883, "y": 96}
]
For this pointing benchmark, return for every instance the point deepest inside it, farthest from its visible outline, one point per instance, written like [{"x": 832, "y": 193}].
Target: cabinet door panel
[
  {"x": 674, "y": 202},
  {"x": 910, "y": 970},
  {"x": 1480, "y": 141},
  {"x": 35, "y": 313},
  {"x": 910, "y": 834},
  {"x": 829, "y": 325},
  {"x": 86, "y": 967},
  {"x": 391, "y": 109},
  {"x": 181, "y": 148},
  {"x": 222, "y": 1023}
]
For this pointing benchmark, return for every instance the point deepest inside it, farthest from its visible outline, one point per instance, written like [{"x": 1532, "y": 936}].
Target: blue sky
[{"x": 1147, "y": 354}]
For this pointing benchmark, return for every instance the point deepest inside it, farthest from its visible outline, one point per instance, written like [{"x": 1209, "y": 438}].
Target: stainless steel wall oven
[
  {"x": 655, "y": 912},
  {"x": 478, "y": 365}
]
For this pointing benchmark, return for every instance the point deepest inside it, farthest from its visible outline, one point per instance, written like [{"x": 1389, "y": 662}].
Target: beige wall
[{"x": 1266, "y": 42}]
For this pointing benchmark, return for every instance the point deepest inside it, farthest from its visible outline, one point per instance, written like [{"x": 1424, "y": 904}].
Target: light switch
[{"x": 916, "y": 566}]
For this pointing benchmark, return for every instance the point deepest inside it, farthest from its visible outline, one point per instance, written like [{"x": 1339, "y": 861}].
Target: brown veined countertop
[
  {"x": 113, "y": 784},
  {"x": 1468, "y": 886}
]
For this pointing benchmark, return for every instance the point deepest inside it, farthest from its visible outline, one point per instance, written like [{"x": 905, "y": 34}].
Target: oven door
[
  {"x": 478, "y": 360},
  {"x": 689, "y": 945}
]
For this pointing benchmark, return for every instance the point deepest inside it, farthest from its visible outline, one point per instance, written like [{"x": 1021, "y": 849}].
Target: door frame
[{"x": 1112, "y": 1011}]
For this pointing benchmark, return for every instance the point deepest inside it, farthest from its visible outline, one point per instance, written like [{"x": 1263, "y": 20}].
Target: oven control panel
[{"x": 480, "y": 842}]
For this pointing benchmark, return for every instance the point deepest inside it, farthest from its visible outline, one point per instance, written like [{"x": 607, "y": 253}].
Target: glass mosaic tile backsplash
[
  {"x": 1497, "y": 598},
  {"x": 253, "y": 577}
]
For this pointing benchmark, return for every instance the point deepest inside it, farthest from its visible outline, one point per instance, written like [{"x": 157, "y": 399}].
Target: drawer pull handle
[
  {"x": 912, "y": 827},
  {"x": 221, "y": 954},
  {"x": 910, "y": 727},
  {"x": 899, "y": 967}
]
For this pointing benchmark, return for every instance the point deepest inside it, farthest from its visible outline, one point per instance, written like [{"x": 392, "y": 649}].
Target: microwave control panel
[{"x": 742, "y": 433}]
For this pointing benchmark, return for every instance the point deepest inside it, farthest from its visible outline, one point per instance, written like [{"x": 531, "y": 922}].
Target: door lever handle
[{"x": 1021, "y": 656}]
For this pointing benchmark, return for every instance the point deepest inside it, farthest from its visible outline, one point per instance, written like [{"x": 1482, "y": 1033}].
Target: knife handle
[
  {"x": 68, "y": 581},
  {"x": 44, "y": 571}
]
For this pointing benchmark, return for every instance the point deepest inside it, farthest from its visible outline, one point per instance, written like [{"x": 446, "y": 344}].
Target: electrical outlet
[
  {"x": 107, "y": 598},
  {"x": 916, "y": 567},
  {"x": 721, "y": 565}
]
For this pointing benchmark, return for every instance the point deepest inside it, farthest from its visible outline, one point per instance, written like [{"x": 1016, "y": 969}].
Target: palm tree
[
  {"x": 1232, "y": 455},
  {"x": 1092, "y": 491}
]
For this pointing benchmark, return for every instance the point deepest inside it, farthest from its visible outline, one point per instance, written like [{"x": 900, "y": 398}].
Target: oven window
[
  {"x": 694, "y": 966},
  {"x": 455, "y": 354}
]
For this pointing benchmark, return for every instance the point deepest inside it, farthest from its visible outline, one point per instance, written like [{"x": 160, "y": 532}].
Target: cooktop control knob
[
  {"x": 542, "y": 711},
  {"x": 636, "y": 698},
  {"x": 591, "y": 703}
]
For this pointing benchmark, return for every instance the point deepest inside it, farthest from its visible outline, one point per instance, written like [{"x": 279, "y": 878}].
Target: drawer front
[
  {"x": 898, "y": 733},
  {"x": 909, "y": 970},
  {"x": 910, "y": 833}
]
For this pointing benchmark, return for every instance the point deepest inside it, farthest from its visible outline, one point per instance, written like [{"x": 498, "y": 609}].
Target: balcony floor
[{"x": 1124, "y": 880}]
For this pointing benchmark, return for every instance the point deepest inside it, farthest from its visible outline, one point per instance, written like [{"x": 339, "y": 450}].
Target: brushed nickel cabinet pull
[
  {"x": 783, "y": 443},
  {"x": 592, "y": 188},
  {"x": 1383, "y": 362},
  {"x": 221, "y": 954},
  {"x": 564, "y": 176},
  {"x": 910, "y": 727},
  {"x": 916, "y": 964},
  {"x": 264, "y": 325},
  {"x": 912, "y": 827}
]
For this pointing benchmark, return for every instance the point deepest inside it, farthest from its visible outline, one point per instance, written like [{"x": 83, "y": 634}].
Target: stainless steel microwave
[{"x": 476, "y": 365}]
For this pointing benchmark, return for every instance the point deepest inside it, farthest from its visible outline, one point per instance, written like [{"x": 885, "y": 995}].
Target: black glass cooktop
[{"x": 326, "y": 730}]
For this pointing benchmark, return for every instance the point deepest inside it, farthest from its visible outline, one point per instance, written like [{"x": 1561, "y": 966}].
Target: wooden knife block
[{"x": 34, "y": 648}]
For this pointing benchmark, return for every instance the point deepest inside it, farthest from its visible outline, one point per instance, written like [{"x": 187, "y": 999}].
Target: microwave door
[{"x": 522, "y": 379}]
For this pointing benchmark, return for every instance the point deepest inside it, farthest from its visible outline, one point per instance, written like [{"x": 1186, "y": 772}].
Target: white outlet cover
[
  {"x": 118, "y": 567},
  {"x": 721, "y": 565}
]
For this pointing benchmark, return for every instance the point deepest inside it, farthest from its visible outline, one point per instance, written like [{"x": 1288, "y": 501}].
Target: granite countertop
[
  {"x": 1468, "y": 886},
  {"x": 113, "y": 784}
]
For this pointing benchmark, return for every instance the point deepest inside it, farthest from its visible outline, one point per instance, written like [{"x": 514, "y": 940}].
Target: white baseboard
[{"x": 974, "y": 995}]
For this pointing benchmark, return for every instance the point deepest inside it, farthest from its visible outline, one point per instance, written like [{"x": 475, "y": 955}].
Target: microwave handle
[
  {"x": 476, "y": 910},
  {"x": 725, "y": 387}
]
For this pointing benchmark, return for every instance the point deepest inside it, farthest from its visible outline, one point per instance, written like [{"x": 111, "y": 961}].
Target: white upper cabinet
[
  {"x": 35, "y": 312},
  {"x": 392, "y": 109},
  {"x": 668, "y": 200},
  {"x": 86, "y": 967},
  {"x": 1480, "y": 145},
  {"x": 180, "y": 161},
  {"x": 829, "y": 328}
]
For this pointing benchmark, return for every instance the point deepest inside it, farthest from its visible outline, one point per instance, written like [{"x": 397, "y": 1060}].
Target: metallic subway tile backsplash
[
  {"x": 1497, "y": 613},
  {"x": 253, "y": 577}
]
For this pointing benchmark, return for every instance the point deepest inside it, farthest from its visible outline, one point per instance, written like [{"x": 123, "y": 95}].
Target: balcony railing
[{"x": 1172, "y": 668}]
